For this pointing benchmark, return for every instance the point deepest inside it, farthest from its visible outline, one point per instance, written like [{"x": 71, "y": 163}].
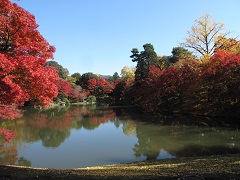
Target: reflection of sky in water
[
  {"x": 57, "y": 143},
  {"x": 104, "y": 145},
  {"x": 164, "y": 155}
]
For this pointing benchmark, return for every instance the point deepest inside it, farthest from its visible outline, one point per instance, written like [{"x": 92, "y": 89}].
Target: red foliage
[
  {"x": 220, "y": 81},
  {"x": 107, "y": 116},
  {"x": 123, "y": 91},
  {"x": 211, "y": 87},
  {"x": 104, "y": 86},
  {"x": 54, "y": 122},
  {"x": 78, "y": 93},
  {"x": 91, "y": 84},
  {"x": 19, "y": 32},
  {"x": 163, "y": 89},
  {"x": 9, "y": 154},
  {"x": 154, "y": 72},
  {"x": 23, "y": 54},
  {"x": 10, "y": 112},
  {"x": 64, "y": 87},
  {"x": 8, "y": 134}
]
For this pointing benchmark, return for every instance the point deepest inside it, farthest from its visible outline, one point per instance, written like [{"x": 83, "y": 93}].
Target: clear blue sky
[{"x": 98, "y": 35}]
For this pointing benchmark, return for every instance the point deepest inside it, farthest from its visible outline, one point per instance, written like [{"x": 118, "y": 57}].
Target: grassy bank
[{"x": 213, "y": 167}]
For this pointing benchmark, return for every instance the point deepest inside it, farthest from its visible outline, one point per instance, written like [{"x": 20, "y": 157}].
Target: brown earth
[{"x": 212, "y": 167}]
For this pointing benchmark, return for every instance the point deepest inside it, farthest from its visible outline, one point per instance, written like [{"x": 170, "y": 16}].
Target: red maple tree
[
  {"x": 64, "y": 87},
  {"x": 100, "y": 86},
  {"x": 23, "y": 55}
]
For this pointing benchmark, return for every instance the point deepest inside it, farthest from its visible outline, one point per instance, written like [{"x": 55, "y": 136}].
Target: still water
[{"x": 90, "y": 136}]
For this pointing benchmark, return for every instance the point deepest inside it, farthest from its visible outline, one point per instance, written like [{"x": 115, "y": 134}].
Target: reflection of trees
[
  {"x": 8, "y": 153},
  {"x": 52, "y": 127},
  {"x": 201, "y": 150},
  {"x": 146, "y": 144},
  {"x": 24, "y": 162},
  {"x": 208, "y": 141},
  {"x": 182, "y": 141},
  {"x": 53, "y": 138},
  {"x": 8, "y": 112},
  {"x": 144, "y": 148},
  {"x": 49, "y": 119},
  {"x": 93, "y": 118},
  {"x": 87, "y": 125},
  {"x": 129, "y": 127}
]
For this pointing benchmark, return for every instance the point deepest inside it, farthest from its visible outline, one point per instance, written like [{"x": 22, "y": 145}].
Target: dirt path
[{"x": 213, "y": 167}]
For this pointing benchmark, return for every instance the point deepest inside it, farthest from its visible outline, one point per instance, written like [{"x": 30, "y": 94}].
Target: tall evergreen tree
[
  {"x": 144, "y": 60},
  {"x": 149, "y": 55}
]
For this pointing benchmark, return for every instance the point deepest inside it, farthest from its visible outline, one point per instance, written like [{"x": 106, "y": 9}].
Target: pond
[{"x": 87, "y": 136}]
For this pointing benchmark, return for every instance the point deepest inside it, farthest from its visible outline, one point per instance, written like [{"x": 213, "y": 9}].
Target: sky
[{"x": 98, "y": 35}]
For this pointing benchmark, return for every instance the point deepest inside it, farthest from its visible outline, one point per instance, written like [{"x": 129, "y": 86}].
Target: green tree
[
  {"x": 141, "y": 64},
  {"x": 163, "y": 62},
  {"x": 144, "y": 60},
  {"x": 116, "y": 76},
  {"x": 71, "y": 80},
  {"x": 63, "y": 72},
  {"x": 149, "y": 55},
  {"x": 180, "y": 53},
  {"x": 78, "y": 78},
  {"x": 91, "y": 99}
]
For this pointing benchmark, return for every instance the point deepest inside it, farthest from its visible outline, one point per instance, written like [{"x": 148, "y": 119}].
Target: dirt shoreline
[{"x": 212, "y": 167}]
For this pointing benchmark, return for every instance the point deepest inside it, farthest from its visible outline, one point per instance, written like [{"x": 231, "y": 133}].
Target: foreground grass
[{"x": 213, "y": 167}]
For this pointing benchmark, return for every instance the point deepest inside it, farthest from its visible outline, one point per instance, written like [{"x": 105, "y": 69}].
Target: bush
[
  {"x": 91, "y": 99},
  {"x": 63, "y": 101}
]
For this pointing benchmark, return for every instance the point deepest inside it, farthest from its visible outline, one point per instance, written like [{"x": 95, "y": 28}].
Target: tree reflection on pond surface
[{"x": 72, "y": 137}]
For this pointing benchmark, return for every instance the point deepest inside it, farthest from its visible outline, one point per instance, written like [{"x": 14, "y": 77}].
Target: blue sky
[{"x": 98, "y": 35}]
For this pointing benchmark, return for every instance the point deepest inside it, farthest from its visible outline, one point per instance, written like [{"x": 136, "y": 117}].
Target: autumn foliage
[
  {"x": 123, "y": 92},
  {"x": 78, "y": 94},
  {"x": 100, "y": 86},
  {"x": 64, "y": 87},
  {"x": 209, "y": 88},
  {"x": 220, "y": 82},
  {"x": 23, "y": 55}
]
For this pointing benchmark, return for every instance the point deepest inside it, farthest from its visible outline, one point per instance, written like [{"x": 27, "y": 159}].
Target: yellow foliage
[
  {"x": 228, "y": 44},
  {"x": 127, "y": 72},
  {"x": 203, "y": 35}
]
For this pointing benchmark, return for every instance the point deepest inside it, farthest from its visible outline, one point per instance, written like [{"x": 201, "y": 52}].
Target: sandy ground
[{"x": 213, "y": 167}]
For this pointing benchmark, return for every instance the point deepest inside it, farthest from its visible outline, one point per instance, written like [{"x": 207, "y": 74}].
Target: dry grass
[{"x": 213, "y": 167}]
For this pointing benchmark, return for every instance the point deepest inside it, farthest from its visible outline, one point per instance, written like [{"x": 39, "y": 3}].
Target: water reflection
[
  {"x": 186, "y": 141},
  {"x": 89, "y": 136}
]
